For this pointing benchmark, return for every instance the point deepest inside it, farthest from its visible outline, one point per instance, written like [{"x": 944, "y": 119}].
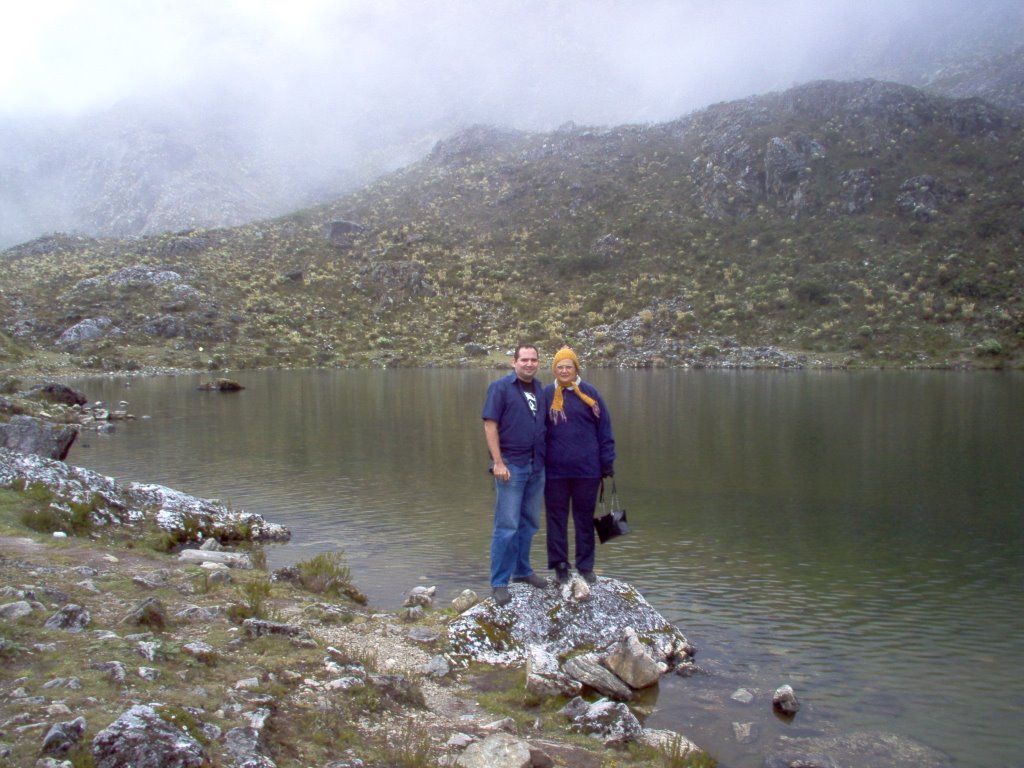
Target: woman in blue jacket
[{"x": 580, "y": 452}]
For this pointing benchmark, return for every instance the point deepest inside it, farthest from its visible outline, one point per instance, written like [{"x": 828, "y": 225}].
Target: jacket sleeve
[{"x": 605, "y": 436}]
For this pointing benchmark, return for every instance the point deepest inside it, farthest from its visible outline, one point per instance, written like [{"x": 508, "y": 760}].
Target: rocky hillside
[
  {"x": 186, "y": 159},
  {"x": 860, "y": 223}
]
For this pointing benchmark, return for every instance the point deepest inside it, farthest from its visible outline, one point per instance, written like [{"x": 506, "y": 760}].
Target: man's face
[{"x": 526, "y": 363}]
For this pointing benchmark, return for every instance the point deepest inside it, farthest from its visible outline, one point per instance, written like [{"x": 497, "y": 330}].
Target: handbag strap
[{"x": 614, "y": 498}]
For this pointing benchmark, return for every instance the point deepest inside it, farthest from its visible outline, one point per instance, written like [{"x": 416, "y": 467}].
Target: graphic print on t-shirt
[{"x": 531, "y": 398}]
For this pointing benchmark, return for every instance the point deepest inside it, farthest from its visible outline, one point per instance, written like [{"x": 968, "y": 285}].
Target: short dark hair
[{"x": 524, "y": 345}]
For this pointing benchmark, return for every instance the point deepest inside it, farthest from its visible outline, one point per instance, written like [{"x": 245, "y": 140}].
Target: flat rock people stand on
[
  {"x": 580, "y": 452},
  {"x": 514, "y": 424}
]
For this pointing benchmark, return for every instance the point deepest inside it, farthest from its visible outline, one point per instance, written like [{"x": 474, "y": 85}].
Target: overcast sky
[{"x": 523, "y": 63}]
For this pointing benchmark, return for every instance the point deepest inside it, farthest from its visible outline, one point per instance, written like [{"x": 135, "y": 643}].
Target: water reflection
[{"x": 857, "y": 535}]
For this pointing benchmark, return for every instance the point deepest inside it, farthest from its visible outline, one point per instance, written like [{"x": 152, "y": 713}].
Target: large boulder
[
  {"x": 25, "y": 434},
  {"x": 554, "y": 620},
  {"x": 140, "y": 738}
]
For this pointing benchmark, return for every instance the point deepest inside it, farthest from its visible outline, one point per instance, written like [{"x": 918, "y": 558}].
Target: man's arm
[{"x": 494, "y": 448}]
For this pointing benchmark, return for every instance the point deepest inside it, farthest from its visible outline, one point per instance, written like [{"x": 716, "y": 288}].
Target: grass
[{"x": 328, "y": 574}]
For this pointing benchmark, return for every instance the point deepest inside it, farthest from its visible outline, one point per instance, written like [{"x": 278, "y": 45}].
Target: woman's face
[{"x": 565, "y": 371}]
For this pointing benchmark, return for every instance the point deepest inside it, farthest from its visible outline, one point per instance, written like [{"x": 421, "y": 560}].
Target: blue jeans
[{"x": 516, "y": 520}]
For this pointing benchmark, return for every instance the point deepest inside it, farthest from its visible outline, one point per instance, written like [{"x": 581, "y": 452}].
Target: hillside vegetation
[{"x": 841, "y": 223}]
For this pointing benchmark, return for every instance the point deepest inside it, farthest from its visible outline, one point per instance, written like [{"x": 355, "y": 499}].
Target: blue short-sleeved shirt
[{"x": 520, "y": 430}]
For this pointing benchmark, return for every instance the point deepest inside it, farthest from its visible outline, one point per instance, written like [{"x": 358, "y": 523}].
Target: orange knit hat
[
  {"x": 565, "y": 353},
  {"x": 558, "y": 400}
]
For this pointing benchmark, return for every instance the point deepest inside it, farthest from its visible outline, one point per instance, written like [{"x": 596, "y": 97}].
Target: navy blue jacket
[
  {"x": 520, "y": 433},
  {"x": 582, "y": 444}
]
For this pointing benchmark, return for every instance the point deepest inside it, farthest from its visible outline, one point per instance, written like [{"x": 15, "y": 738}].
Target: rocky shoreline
[{"x": 104, "y": 639}]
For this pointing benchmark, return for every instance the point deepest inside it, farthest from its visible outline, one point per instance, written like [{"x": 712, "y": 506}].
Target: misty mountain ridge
[
  {"x": 845, "y": 223},
  {"x": 223, "y": 158},
  {"x": 143, "y": 168}
]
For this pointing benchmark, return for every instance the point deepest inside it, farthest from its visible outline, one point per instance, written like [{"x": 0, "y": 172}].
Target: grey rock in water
[{"x": 784, "y": 700}]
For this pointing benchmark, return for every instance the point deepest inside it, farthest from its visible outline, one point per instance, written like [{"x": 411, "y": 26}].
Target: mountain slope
[
  {"x": 857, "y": 223},
  {"x": 196, "y": 159}
]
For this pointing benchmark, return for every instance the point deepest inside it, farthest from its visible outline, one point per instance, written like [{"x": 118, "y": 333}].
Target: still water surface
[{"x": 859, "y": 536}]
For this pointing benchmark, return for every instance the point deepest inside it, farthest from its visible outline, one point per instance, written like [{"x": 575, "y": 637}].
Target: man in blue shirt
[{"x": 514, "y": 428}]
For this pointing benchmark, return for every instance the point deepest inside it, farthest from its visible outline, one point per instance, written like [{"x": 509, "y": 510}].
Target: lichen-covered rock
[
  {"x": 560, "y": 625},
  {"x": 185, "y": 517},
  {"x": 610, "y": 721},
  {"x": 142, "y": 739}
]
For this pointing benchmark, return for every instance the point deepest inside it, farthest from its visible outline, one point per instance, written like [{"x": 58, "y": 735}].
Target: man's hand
[{"x": 500, "y": 471}]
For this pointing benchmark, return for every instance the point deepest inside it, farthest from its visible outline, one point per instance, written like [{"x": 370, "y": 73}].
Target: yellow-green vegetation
[
  {"x": 472, "y": 244},
  {"x": 303, "y": 731},
  {"x": 143, "y": 598},
  {"x": 328, "y": 574}
]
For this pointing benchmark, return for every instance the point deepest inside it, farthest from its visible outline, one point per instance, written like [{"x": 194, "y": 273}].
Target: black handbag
[{"x": 611, "y": 524}]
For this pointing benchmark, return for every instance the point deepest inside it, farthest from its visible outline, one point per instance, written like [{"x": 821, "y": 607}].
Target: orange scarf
[{"x": 558, "y": 401}]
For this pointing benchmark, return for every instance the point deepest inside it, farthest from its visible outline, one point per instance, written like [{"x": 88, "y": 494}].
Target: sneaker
[
  {"x": 562, "y": 575},
  {"x": 501, "y": 596},
  {"x": 533, "y": 580},
  {"x": 589, "y": 576}
]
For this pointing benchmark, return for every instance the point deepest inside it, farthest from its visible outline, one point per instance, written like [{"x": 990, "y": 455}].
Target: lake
[{"x": 857, "y": 535}]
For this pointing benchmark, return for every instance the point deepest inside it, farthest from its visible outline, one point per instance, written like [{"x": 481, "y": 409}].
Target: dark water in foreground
[{"x": 859, "y": 536}]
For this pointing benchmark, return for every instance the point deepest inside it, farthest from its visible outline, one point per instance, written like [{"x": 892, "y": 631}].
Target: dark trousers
[{"x": 579, "y": 495}]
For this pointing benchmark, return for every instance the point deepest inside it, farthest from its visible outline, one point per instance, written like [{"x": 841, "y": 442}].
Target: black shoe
[
  {"x": 589, "y": 576},
  {"x": 533, "y": 580},
  {"x": 562, "y": 575},
  {"x": 501, "y": 596}
]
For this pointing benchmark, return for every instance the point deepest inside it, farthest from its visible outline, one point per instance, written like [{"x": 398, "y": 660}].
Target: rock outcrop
[
  {"x": 186, "y": 518},
  {"x": 26, "y": 434}
]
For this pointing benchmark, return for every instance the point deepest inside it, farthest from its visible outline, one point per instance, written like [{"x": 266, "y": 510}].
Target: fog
[
  {"x": 345, "y": 78},
  {"x": 521, "y": 63}
]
